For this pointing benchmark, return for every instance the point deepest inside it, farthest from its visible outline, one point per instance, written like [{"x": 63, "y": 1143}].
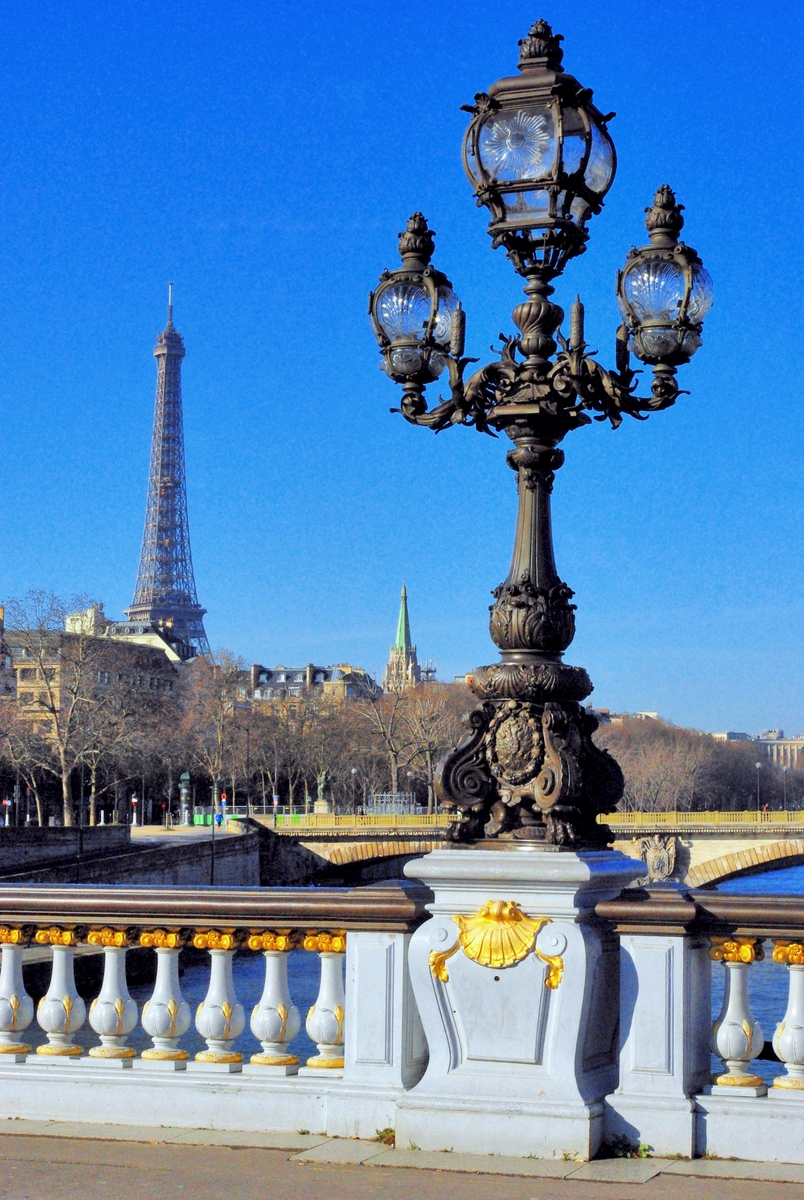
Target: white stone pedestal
[
  {"x": 522, "y": 1053},
  {"x": 665, "y": 1023}
]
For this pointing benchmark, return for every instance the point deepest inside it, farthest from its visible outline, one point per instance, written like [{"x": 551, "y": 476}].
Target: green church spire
[{"x": 403, "y": 641}]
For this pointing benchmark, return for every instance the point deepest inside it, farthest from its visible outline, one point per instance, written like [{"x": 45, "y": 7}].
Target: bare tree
[{"x": 431, "y": 714}]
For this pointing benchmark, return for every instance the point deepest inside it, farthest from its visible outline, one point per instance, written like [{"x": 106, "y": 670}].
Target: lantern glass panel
[
  {"x": 406, "y": 360},
  {"x": 579, "y": 211},
  {"x": 447, "y": 304},
  {"x": 700, "y": 300},
  {"x": 518, "y": 144},
  {"x": 403, "y": 311},
  {"x": 654, "y": 289},
  {"x": 526, "y": 204},
  {"x": 600, "y": 167},
  {"x": 574, "y": 146},
  {"x": 657, "y": 343}
]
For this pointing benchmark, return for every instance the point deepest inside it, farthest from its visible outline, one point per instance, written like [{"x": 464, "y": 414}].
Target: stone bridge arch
[{"x": 744, "y": 860}]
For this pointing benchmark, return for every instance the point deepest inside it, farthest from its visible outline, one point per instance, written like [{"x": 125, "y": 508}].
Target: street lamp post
[
  {"x": 539, "y": 156},
  {"x": 759, "y": 768},
  {"x": 184, "y": 797},
  {"x": 784, "y": 786}
]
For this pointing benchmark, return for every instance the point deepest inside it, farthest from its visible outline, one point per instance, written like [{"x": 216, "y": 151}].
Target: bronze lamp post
[{"x": 539, "y": 156}]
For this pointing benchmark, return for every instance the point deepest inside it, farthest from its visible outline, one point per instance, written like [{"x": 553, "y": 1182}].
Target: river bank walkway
[{"x": 68, "y": 1161}]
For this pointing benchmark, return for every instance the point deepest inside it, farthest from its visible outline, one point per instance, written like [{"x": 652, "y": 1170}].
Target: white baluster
[
  {"x": 16, "y": 1006},
  {"x": 275, "y": 1021},
  {"x": 166, "y": 1016},
  {"x": 788, "y": 1040},
  {"x": 61, "y": 1011},
  {"x": 113, "y": 1014},
  {"x": 325, "y": 1019},
  {"x": 220, "y": 1018},
  {"x": 737, "y": 1037}
]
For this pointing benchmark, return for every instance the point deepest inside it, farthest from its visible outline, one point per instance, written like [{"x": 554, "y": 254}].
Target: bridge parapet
[
  {"x": 371, "y": 1050},
  {"x": 704, "y": 822}
]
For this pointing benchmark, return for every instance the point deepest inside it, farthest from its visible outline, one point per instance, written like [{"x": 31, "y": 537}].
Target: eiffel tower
[{"x": 165, "y": 594}]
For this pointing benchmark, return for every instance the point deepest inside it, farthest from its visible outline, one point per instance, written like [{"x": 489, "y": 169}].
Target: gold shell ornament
[{"x": 498, "y": 935}]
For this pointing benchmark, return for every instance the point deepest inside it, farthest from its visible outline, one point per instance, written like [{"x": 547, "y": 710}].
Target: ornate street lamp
[{"x": 541, "y": 159}]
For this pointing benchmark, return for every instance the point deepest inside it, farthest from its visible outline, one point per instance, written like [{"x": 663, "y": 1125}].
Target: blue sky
[{"x": 263, "y": 156}]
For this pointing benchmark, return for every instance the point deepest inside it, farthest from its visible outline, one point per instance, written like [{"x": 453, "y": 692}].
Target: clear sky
[{"x": 264, "y": 155}]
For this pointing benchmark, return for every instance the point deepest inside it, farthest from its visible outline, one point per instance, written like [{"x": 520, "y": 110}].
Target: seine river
[{"x": 767, "y": 983}]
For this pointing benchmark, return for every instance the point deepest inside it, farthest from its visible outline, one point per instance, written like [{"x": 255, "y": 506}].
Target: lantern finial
[{"x": 541, "y": 46}]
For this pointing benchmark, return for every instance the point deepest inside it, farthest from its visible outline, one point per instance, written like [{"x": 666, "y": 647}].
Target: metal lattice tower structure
[{"x": 165, "y": 594}]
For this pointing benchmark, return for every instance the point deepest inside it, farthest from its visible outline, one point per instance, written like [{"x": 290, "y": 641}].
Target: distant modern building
[
  {"x": 403, "y": 670},
  {"x": 165, "y": 593}
]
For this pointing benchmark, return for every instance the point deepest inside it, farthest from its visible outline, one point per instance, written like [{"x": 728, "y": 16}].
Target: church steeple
[
  {"x": 403, "y": 670},
  {"x": 403, "y": 625}
]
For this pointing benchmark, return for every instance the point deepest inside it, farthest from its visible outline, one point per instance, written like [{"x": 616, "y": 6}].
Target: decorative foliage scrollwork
[{"x": 330, "y": 943}]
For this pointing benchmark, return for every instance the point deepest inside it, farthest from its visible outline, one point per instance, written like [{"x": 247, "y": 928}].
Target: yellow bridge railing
[
  {"x": 702, "y": 820},
  {"x": 362, "y": 821}
]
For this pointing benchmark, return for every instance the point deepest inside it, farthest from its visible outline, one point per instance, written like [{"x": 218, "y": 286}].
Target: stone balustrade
[{"x": 658, "y": 1086}]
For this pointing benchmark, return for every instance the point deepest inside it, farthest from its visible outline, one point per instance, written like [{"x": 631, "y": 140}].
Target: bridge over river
[
  {"x": 696, "y": 848},
  {"x": 700, "y": 848}
]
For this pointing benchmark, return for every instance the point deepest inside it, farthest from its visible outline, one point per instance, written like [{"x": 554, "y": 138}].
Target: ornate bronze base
[{"x": 530, "y": 772}]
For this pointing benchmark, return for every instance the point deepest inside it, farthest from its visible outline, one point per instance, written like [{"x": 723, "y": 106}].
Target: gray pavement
[{"x": 49, "y": 1160}]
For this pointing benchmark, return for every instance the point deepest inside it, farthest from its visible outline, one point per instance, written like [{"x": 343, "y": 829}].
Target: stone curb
[{"x": 317, "y": 1148}]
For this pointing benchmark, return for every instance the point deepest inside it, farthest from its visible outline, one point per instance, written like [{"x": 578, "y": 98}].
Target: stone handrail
[{"x": 393, "y": 907}]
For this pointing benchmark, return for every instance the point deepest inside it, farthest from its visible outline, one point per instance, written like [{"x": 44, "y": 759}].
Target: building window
[
  {"x": 103, "y": 676},
  {"x": 26, "y": 697},
  {"x": 27, "y": 674}
]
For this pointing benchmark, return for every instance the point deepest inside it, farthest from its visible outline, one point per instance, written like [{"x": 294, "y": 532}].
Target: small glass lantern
[
  {"x": 664, "y": 291},
  {"x": 540, "y": 157},
  {"x": 416, "y": 316}
]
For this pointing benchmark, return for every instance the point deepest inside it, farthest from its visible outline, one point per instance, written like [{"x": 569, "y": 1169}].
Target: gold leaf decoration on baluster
[
  {"x": 331, "y": 943},
  {"x": 736, "y": 950},
  {"x": 215, "y": 939},
  {"x": 55, "y": 936},
  {"x": 278, "y": 939},
  {"x": 108, "y": 937},
  {"x": 789, "y": 952},
  {"x": 14, "y": 935},
  {"x": 163, "y": 939}
]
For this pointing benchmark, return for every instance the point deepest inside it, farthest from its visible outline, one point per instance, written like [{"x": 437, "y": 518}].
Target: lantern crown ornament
[{"x": 540, "y": 158}]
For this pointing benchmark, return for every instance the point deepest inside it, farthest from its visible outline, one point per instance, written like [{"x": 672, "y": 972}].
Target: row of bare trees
[
  {"x": 89, "y": 728},
  {"x": 669, "y": 768}
]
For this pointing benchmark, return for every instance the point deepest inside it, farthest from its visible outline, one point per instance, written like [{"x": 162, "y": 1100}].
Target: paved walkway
[{"x": 66, "y": 1161}]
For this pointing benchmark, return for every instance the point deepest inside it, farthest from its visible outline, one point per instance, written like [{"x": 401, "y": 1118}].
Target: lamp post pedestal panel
[{"x": 517, "y": 989}]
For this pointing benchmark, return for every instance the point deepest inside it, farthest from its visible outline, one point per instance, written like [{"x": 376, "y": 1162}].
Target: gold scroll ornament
[
  {"x": 737, "y": 950},
  {"x": 791, "y": 953},
  {"x": 498, "y": 935}
]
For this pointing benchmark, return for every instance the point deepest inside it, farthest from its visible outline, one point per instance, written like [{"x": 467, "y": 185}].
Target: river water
[{"x": 767, "y": 984}]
